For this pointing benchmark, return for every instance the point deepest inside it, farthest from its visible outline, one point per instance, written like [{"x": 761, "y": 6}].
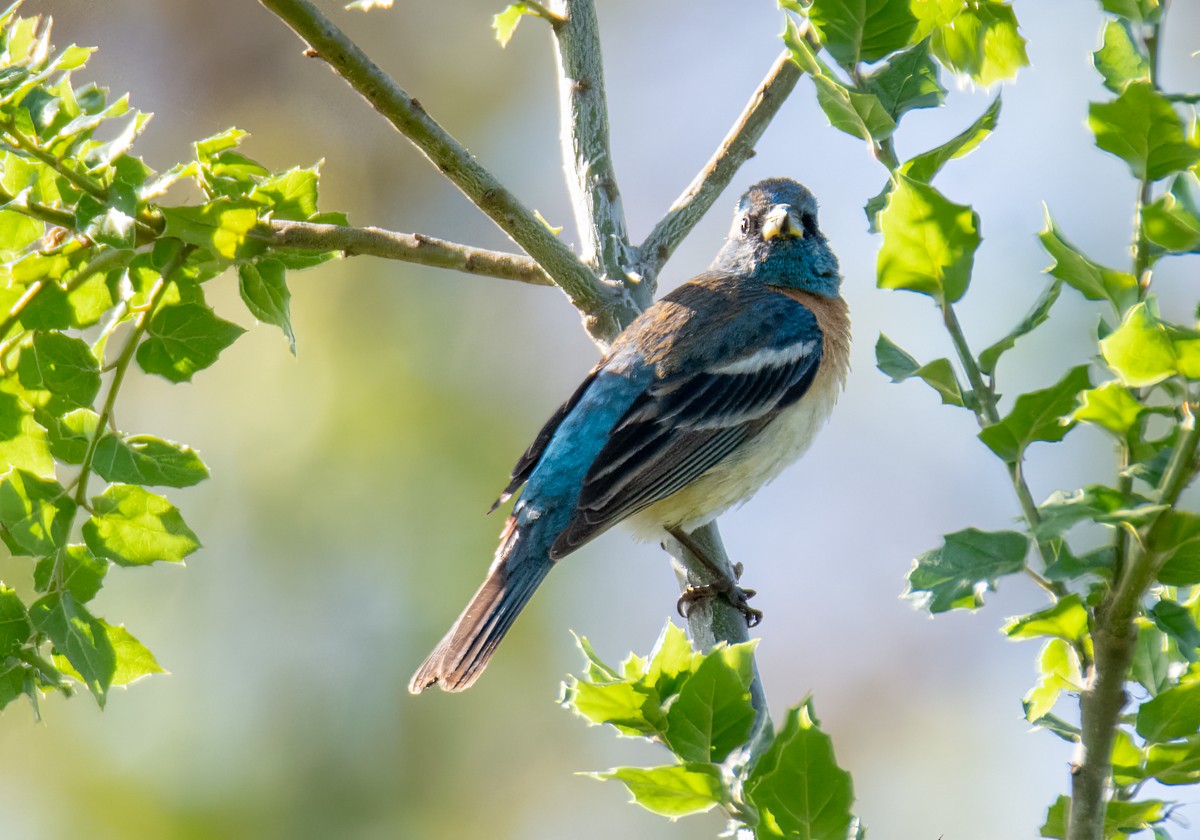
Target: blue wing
[{"x": 715, "y": 365}]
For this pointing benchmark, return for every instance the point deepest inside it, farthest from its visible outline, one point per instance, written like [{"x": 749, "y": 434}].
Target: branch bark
[
  {"x": 735, "y": 149},
  {"x": 408, "y": 247},
  {"x": 598, "y": 301},
  {"x": 587, "y": 156}
]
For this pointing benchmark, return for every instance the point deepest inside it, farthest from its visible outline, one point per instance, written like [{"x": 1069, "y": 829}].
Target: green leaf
[
  {"x": 929, "y": 242},
  {"x": 1175, "y": 713},
  {"x": 368, "y": 5},
  {"x": 862, "y": 30},
  {"x": 133, "y": 527},
  {"x": 23, "y": 442},
  {"x": 1140, "y": 350},
  {"x": 1147, "y": 11},
  {"x": 1142, "y": 128},
  {"x": 982, "y": 42},
  {"x": 14, "y": 623},
  {"x": 939, "y": 374},
  {"x": 860, "y": 115},
  {"x": 1058, "y": 667},
  {"x": 1173, "y": 221},
  {"x": 148, "y": 460},
  {"x": 74, "y": 569},
  {"x": 1128, "y": 760},
  {"x": 672, "y": 662},
  {"x": 1097, "y": 503},
  {"x": 1055, "y": 825},
  {"x": 81, "y": 638},
  {"x": 1067, "y": 619},
  {"x": 797, "y": 786},
  {"x": 909, "y": 80},
  {"x": 1177, "y": 623},
  {"x": 220, "y": 226},
  {"x": 183, "y": 339},
  {"x": 264, "y": 289},
  {"x": 713, "y": 715},
  {"x": 1092, "y": 280},
  {"x": 675, "y": 790},
  {"x": 1121, "y": 817},
  {"x": 1176, "y": 539},
  {"x": 1176, "y": 763},
  {"x": 957, "y": 574},
  {"x": 1037, "y": 416},
  {"x": 36, "y": 513},
  {"x": 71, "y": 434},
  {"x": 134, "y": 660},
  {"x": 1111, "y": 406},
  {"x": 597, "y": 669},
  {"x": 1151, "y": 664},
  {"x": 629, "y": 707},
  {"x": 1119, "y": 60},
  {"x": 63, "y": 368},
  {"x": 505, "y": 23},
  {"x": 1037, "y": 316},
  {"x": 210, "y": 147},
  {"x": 289, "y": 195}
]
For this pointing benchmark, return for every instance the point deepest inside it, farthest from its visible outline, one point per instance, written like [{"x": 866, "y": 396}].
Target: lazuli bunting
[{"x": 704, "y": 398}]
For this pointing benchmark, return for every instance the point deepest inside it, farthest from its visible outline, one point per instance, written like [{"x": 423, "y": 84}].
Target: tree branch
[
  {"x": 599, "y": 302},
  {"x": 713, "y": 620},
  {"x": 409, "y": 247},
  {"x": 587, "y": 157},
  {"x": 1115, "y": 637},
  {"x": 735, "y": 149}
]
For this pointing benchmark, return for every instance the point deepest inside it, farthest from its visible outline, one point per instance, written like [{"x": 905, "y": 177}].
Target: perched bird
[{"x": 704, "y": 398}]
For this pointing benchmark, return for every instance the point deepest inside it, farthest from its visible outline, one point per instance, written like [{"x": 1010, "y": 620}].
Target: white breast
[{"x": 739, "y": 476}]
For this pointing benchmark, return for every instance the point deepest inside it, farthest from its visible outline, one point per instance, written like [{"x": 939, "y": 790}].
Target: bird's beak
[{"x": 782, "y": 220}]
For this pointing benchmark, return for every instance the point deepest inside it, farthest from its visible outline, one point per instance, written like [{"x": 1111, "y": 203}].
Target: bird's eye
[
  {"x": 746, "y": 225},
  {"x": 809, "y": 220}
]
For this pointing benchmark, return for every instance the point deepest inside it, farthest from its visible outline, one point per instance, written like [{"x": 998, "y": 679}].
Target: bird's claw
[{"x": 734, "y": 594}]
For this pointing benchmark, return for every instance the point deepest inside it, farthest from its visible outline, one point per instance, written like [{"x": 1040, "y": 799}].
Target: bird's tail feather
[{"x": 463, "y": 653}]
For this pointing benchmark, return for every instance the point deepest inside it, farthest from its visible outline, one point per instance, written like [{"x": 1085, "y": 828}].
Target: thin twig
[
  {"x": 409, "y": 247},
  {"x": 332, "y": 45},
  {"x": 735, "y": 149}
]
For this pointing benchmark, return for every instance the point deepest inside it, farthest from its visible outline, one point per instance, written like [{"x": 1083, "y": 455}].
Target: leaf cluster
[
  {"x": 698, "y": 706},
  {"x": 103, "y": 264}
]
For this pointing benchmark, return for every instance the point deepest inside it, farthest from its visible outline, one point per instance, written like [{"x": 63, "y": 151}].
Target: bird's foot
[{"x": 737, "y": 597}]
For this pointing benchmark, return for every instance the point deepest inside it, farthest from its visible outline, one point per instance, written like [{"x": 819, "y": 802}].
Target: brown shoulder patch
[{"x": 833, "y": 317}]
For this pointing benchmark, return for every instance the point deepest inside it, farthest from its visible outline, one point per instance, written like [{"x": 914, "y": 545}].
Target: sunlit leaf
[
  {"x": 983, "y": 42},
  {"x": 1142, "y": 128},
  {"x": 183, "y": 339},
  {"x": 134, "y": 527},
  {"x": 675, "y": 790},
  {"x": 929, "y": 242},
  {"x": 1119, "y": 60}
]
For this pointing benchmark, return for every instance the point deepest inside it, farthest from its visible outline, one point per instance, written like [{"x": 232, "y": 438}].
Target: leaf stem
[
  {"x": 121, "y": 366},
  {"x": 986, "y": 414}
]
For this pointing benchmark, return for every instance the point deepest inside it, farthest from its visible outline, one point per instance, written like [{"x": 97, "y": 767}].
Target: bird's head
[{"x": 775, "y": 240}]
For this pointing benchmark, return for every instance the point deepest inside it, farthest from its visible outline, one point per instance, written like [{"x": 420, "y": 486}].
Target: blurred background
[{"x": 343, "y": 527}]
